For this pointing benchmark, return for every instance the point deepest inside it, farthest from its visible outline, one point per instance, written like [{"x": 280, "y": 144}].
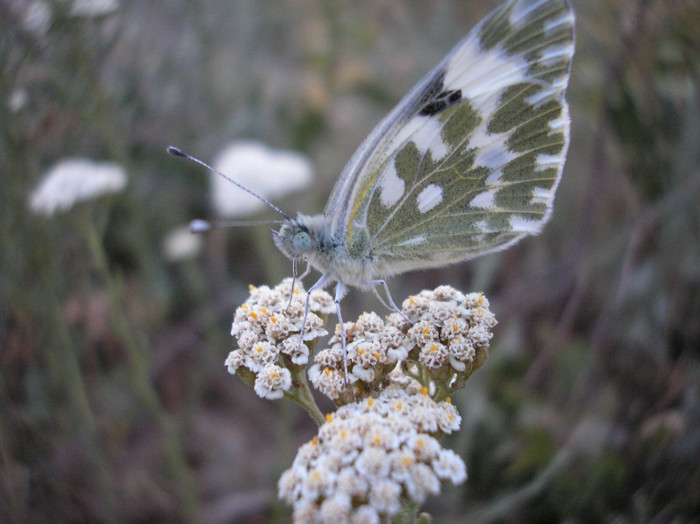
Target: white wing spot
[
  {"x": 430, "y": 197},
  {"x": 485, "y": 199},
  {"x": 391, "y": 186},
  {"x": 428, "y": 137},
  {"x": 483, "y": 226},
  {"x": 544, "y": 160},
  {"x": 525, "y": 225},
  {"x": 492, "y": 150},
  {"x": 555, "y": 54},
  {"x": 541, "y": 195},
  {"x": 565, "y": 20},
  {"x": 480, "y": 73},
  {"x": 535, "y": 99},
  {"x": 413, "y": 241},
  {"x": 559, "y": 123}
]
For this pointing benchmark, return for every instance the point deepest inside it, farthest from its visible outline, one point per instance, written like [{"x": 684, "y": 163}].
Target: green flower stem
[
  {"x": 136, "y": 349},
  {"x": 409, "y": 514},
  {"x": 82, "y": 416},
  {"x": 301, "y": 395}
]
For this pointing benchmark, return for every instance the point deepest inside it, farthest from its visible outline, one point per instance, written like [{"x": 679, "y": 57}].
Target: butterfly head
[{"x": 301, "y": 238}]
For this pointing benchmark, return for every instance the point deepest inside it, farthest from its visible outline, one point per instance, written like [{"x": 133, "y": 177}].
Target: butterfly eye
[{"x": 302, "y": 241}]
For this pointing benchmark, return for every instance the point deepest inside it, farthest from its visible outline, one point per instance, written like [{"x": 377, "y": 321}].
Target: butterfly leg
[
  {"x": 295, "y": 278},
  {"x": 340, "y": 291},
  {"x": 294, "y": 281},
  {"x": 318, "y": 285},
  {"x": 306, "y": 271},
  {"x": 391, "y": 305}
]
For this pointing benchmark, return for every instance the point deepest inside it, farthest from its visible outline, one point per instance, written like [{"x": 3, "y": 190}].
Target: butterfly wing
[{"x": 469, "y": 160}]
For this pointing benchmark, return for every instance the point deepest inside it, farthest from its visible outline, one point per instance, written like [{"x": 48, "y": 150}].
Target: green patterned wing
[{"x": 469, "y": 161}]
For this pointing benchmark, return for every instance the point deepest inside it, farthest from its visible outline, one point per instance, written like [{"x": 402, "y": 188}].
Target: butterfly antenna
[
  {"x": 179, "y": 152},
  {"x": 200, "y": 226}
]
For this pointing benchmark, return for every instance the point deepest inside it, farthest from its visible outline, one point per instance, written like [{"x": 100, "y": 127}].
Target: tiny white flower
[
  {"x": 335, "y": 508},
  {"x": 234, "y": 360},
  {"x": 422, "y": 482},
  {"x": 372, "y": 463},
  {"x": 268, "y": 172},
  {"x": 305, "y": 511},
  {"x": 93, "y": 8},
  {"x": 73, "y": 180},
  {"x": 365, "y": 515},
  {"x": 353, "y": 484},
  {"x": 37, "y": 18},
  {"x": 448, "y": 465},
  {"x": 385, "y": 496},
  {"x": 17, "y": 100},
  {"x": 181, "y": 244},
  {"x": 361, "y": 373},
  {"x": 272, "y": 382}
]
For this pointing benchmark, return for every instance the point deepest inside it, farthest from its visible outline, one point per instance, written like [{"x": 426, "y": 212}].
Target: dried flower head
[
  {"x": 73, "y": 180},
  {"x": 373, "y": 457}
]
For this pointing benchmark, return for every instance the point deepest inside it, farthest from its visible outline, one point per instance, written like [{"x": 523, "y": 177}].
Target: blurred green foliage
[{"x": 114, "y": 401}]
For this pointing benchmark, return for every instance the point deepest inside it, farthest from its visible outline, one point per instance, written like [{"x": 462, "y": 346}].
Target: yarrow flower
[
  {"x": 373, "y": 457},
  {"x": 451, "y": 331},
  {"x": 267, "y": 329},
  {"x": 379, "y": 453},
  {"x": 74, "y": 180},
  {"x": 268, "y": 172},
  {"x": 447, "y": 341}
]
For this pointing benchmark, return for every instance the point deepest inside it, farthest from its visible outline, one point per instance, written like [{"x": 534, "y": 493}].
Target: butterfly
[{"x": 466, "y": 164}]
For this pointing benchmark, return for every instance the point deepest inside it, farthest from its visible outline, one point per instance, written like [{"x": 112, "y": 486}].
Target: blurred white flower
[
  {"x": 73, "y": 180},
  {"x": 181, "y": 244},
  {"x": 93, "y": 8},
  {"x": 17, "y": 100},
  {"x": 268, "y": 172},
  {"x": 37, "y": 18}
]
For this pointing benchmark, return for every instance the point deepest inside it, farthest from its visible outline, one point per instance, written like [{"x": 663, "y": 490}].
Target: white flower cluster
[
  {"x": 93, "y": 8},
  {"x": 373, "y": 349},
  {"x": 267, "y": 333},
  {"x": 73, "y": 180},
  {"x": 450, "y": 328},
  {"x": 373, "y": 457},
  {"x": 271, "y": 173},
  {"x": 449, "y": 338}
]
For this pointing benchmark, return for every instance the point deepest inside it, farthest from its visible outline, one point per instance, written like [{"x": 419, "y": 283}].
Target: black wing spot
[
  {"x": 435, "y": 98},
  {"x": 442, "y": 101}
]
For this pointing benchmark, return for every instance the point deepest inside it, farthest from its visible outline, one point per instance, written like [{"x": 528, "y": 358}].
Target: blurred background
[{"x": 115, "y": 405}]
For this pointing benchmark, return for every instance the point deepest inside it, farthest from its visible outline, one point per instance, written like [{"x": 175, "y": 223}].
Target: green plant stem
[
  {"x": 173, "y": 451},
  {"x": 84, "y": 418},
  {"x": 409, "y": 513},
  {"x": 301, "y": 395}
]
